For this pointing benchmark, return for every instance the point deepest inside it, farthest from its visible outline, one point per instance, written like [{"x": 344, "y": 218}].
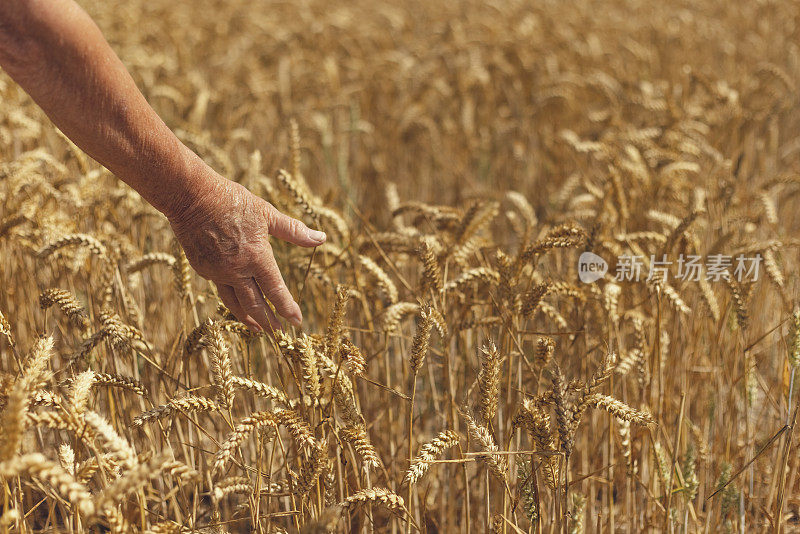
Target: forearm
[{"x": 57, "y": 54}]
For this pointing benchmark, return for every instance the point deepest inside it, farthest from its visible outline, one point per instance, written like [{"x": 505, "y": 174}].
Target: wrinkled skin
[{"x": 225, "y": 233}]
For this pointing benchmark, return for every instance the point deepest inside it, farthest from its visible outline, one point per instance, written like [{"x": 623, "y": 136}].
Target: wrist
[{"x": 193, "y": 186}]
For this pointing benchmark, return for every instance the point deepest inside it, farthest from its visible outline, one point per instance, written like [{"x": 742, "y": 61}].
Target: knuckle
[
  {"x": 239, "y": 267},
  {"x": 295, "y": 226},
  {"x": 248, "y": 251},
  {"x": 270, "y": 213},
  {"x": 204, "y": 273},
  {"x": 251, "y": 308},
  {"x": 275, "y": 293}
]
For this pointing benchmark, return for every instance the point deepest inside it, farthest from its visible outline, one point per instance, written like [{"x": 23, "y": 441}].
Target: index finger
[{"x": 269, "y": 279}]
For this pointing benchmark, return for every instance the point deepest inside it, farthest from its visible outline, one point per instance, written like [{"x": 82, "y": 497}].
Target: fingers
[
  {"x": 294, "y": 231},
  {"x": 271, "y": 283},
  {"x": 249, "y": 296},
  {"x": 228, "y": 296}
]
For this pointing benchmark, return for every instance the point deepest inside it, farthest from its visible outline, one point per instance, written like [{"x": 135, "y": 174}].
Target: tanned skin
[{"x": 58, "y": 55}]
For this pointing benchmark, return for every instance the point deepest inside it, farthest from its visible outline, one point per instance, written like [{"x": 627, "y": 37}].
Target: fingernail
[
  {"x": 316, "y": 235},
  {"x": 251, "y": 323},
  {"x": 296, "y": 317}
]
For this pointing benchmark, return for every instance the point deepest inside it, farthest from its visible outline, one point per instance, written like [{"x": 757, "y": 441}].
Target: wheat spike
[
  {"x": 47, "y": 398},
  {"x": 382, "y": 496},
  {"x": 429, "y": 452},
  {"x": 794, "y": 339},
  {"x": 709, "y": 298},
  {"x": 353, "y": 358},
  {"x": 384, "y": 282},
  {"x": 261, "y": 389},
  {"x": 56, "y": 420},
  {"x": 230, "y": 486},
  {"x": 122, "y": 451},
  {"x": 476, "y": 275},
  {"x": 395, "y": 313},
  {"x": 432, "y": 272},
  {"x": 221, "y": 368},
  {"x": 740, "y": 293},
  {"x": 296, "y": 425},
  {"x": 116, "y": 521},
  {"x": 243, "y": 429},
  {"x": 299, "y": 195},
  {"x": 14, "y": 418},
  {"x": 84, "y": 240},
  {"x": 489, "y": 382},
  {"x": 132, "y": 480},
  {"x": 150, "y": 259},
  {"x": 345, "y": 400},
  {"x": 333, "y": 331},
  {"x": 68, "y": 304},
  {"x": 772, "y": 269},
  {"x": 545, "y": 347},
  {"x": 119, "y": 381},
  {"x": 419, "y": 345},
  {"x": 37, "y": 465},
  {"x": 5, "y": 329},
  {"x": 495, "y": 463},
  {"x": 80, "y": 389},
  {"x": 66, "y": 457},
  {"x": 357, "y": 435},
  {"x": 564, "y": 236},
  {"x": 532, "y": 298},
  {"x": 621, "y": 410},
  {"x": 119, "y": 334},
  {"x": 185, "y": 404},
  {"x": 600, "y": 375},
  {"x": 309, "y": 363},
  {"x": 312, "y": 469}
]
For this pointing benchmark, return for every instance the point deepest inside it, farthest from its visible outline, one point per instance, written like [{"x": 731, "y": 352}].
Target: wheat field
[{"x": 453, "y": 373}]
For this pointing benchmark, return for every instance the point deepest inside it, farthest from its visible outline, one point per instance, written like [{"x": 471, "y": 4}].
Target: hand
[{"x": 225, "y": 233}]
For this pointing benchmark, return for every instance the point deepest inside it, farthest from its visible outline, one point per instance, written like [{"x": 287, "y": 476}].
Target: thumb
[{"x": 294, "y": 231}]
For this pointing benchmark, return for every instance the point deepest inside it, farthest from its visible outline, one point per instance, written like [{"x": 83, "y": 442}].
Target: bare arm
[{"x": 56, "y": 53}]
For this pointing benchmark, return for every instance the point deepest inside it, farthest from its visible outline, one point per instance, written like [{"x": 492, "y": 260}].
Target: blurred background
[{"x": 448, "y": 99}]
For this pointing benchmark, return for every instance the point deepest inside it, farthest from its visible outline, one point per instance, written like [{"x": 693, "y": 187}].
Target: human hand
[{"x": 224, "y": 231}]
